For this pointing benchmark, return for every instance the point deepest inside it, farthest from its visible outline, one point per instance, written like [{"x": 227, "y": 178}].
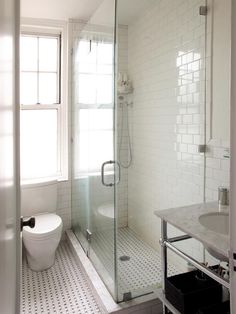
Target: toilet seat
[{"x": 46, "y": 225}]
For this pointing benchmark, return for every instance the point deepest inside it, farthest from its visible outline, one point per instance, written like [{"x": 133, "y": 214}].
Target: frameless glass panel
[
  {"x": 160, "y": 123},
  {"x": 38, "y": 143},
  {"x": 95, "y": 139},
  {"x": 93, "y": 218}
]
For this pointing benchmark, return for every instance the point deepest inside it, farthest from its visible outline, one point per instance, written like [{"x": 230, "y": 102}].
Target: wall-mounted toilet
[{"x": 41, "y": 242}]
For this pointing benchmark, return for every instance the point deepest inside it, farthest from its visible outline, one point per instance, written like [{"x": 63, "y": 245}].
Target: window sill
[{"x": 44, "y": 181}]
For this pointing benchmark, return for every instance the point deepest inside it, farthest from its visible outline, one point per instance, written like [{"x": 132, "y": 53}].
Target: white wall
[
  {"x": 64, "y": 203},
  {"x": 166, "y": 53},
  {"x": 221, "y": 67},
  {"x": 122, "y": 150},
  {"x": 218, "y": 97}
]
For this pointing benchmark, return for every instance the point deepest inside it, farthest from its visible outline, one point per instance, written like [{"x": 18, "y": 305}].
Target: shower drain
[{"x": 124, "y": 258}]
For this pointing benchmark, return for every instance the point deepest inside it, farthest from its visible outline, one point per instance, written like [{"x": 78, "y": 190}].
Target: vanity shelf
[
  {"x": 167, "y": 304},
  {"x": 167, "y": 216}
]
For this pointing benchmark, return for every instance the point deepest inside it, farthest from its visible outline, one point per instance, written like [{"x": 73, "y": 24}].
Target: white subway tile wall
[
  {"x": 64, "y": 203},
  {"x": 122, "y": 143},
  {"x": 166, "y": 51},
  {"x": 217, "y": 167}
]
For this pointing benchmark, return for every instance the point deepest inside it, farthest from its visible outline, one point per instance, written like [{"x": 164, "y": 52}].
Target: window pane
[
  {"x": 104, "y": 89},
  {"x": 87, "y": 67},
  {"x": 48, "y": 54},
  {"x": 87, "y": 89},
  {"x": 104, "y": 69},
  {"x": 105, "y": 53},
  {"x": 48, "y": 88},
  {"x": 38, "y": 143},
  {"x": 85, "y": 55},
  {"x": 28, "y": 88},
  {"x": 96, "y": 119},
  {"x": 94, "y": 148},
  {"x": 28, "y": 53},
  {"x": 95, "y": 138}
]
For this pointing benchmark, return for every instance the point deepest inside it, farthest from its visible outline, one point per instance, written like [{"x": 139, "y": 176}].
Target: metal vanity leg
[{"x": 163, "y": 258}]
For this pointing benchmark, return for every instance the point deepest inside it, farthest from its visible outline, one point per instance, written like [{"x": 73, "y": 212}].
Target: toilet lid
[{"x": 44, "y": 224}]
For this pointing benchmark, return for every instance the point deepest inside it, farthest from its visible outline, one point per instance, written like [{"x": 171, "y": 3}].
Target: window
[
  {"x": 95, "y": 101},
  {"x": 43, "y": 105},
  {"x": 40, "y": 69},
  {"x": 95, "y": 73}
]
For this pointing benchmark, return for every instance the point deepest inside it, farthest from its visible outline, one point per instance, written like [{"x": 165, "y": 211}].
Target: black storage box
[
  {"x": 190, "y": 292},
  {"x": 222, "y": 308}
]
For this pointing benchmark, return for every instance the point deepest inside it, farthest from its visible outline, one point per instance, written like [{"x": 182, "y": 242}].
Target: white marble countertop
[{"x": 186, "y": 220}]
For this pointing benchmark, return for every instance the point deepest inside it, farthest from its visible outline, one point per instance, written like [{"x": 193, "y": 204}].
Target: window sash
[
  {"x": 38, "y": 36},
  {"x": 55, "y": 30}
]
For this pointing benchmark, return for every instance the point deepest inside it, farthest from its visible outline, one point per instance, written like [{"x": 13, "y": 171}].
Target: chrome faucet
[{"x": 223, "y": 196}]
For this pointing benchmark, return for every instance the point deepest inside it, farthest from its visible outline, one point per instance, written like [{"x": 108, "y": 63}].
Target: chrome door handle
[{"x": 110, "y": 162}]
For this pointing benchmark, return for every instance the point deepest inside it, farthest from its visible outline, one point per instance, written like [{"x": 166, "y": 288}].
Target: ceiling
[
  {"x": 59, "y": 9},
  {"x": 127, "y": 11}
]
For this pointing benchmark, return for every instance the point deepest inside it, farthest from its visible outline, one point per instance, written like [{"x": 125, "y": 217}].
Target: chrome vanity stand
[{"x": 167, "y": 243}]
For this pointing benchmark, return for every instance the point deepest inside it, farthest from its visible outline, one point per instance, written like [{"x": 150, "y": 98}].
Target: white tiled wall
[
  {"x": 64, "y": 203},
  {"x": 122, "y": 144},
  {"x": 166, "y": 64},
  {"x": 217, "y": 167}
]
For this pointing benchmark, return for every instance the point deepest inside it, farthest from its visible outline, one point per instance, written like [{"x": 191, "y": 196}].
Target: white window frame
[{"x": 40, "y": 27}]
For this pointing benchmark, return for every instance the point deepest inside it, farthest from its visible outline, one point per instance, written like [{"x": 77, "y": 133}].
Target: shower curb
[{"x": 149, "y": 302}]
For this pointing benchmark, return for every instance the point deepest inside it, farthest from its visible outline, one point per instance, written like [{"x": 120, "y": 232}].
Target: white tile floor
[
  {"x": 141, "y": 272},
  {"x": 64, "y": 288},
  {"x": 61, "y": 289}
]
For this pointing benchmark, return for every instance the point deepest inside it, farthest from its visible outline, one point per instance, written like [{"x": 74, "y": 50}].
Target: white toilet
[{"x": 41, "y": 242}]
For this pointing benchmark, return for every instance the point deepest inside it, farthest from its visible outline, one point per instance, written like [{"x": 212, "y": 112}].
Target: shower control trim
[
  {"x": 203, "y": 10},
  {"x": 110, "y": 162}
]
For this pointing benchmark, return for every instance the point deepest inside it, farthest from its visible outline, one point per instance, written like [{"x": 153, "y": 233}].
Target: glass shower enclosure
[
  {"x": 95, "y": 172},
  {"x": 135, "y": 144}
]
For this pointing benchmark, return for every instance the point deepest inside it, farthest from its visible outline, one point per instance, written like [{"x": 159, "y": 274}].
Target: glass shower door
[
  {"x": 93, "y": 166},
  {"x": 164, "y": 58}
]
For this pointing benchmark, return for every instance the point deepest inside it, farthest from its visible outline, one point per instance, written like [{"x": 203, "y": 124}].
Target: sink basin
[{"x": 219, "y": 223}]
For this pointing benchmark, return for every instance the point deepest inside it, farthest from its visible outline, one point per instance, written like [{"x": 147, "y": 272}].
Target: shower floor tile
[
  {"x": 140, "y": 271},
  {"x": 61, "y": 289}
]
